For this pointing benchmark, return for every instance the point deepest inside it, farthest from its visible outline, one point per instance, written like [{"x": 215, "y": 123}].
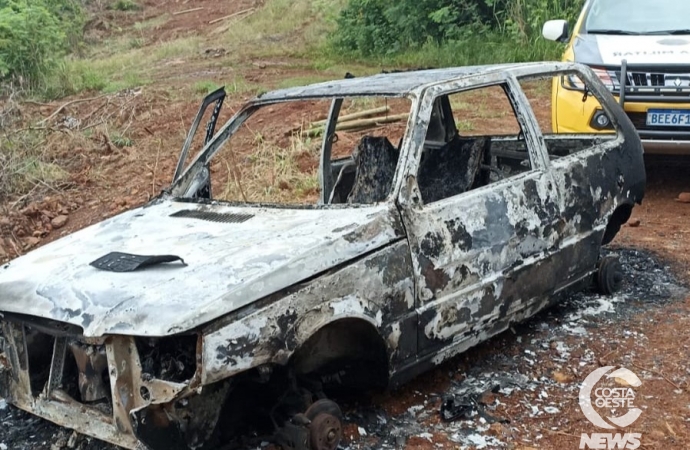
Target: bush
[
  {"x": 34, "y": 34},
  {"x": 385, "y": 27},
  {"x": 125, "y": 5}
]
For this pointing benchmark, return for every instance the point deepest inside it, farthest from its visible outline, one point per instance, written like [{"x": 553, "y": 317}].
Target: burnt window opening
[
  {"x": 474, "y": 139},
  {"x": 296, "y": 152},
  {"x": 39, "y": 347},
  {"x": 169, "y": 359},
  {"x": 365, "y": 150}
]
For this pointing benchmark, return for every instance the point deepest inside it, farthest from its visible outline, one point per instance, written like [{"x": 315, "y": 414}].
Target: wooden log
[
  {"x": 358, "y": 124},
  {"x": 354, "y": 116},
  {"x": 230, "y": 16}
]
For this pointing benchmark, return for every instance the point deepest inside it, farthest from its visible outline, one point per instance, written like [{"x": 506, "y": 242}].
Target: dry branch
[
  {"x": 658, "y": 373},
  {"x": 73, "y": 102},
  {"x": 230, "y": 16},
  {"x": 186, "y": 11}
]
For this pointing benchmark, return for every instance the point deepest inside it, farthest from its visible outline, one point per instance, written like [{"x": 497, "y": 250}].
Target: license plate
[{"x": 668, "y": 118}]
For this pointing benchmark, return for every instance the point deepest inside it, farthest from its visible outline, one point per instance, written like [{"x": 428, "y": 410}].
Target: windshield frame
[{"x": 182, "y": 188}]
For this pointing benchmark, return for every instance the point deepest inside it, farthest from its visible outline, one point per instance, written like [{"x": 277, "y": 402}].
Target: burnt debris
[{"x": 169, "y": 359}]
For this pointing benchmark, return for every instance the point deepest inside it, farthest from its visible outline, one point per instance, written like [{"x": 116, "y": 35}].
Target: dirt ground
[{"x": 539, "y": 366}]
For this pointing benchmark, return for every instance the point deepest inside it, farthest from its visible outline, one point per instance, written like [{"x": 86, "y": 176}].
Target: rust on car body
[{"x": 401, "y": 276}]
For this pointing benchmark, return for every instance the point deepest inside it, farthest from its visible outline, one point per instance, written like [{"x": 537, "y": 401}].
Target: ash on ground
[{"x": 506, "y": 369}]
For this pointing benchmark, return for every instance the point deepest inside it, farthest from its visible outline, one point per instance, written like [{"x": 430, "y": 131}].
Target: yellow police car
[{"x": 640, "y": 49}]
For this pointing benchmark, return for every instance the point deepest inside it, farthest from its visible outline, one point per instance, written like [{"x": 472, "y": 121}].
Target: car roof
[{"x": 395, "y": 84}]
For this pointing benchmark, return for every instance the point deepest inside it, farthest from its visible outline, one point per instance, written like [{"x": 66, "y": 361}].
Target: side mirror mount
[{"x": 556, "y": 30}]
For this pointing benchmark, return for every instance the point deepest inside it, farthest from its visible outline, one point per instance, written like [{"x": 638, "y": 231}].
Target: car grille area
[
  {"x": 653, "y": 79},
  {"x": 61, "y": 367}
]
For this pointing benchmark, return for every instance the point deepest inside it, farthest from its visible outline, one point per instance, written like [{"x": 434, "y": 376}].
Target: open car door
[{"x": 203, "y": 188}]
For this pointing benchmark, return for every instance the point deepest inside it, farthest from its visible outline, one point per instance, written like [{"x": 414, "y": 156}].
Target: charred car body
[{"x": 411, "y": 255}]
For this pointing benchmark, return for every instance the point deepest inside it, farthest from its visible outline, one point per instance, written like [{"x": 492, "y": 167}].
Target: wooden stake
[
  {"x": 186, "y": 11},
  {"x": 353, "y": 116},
  {"x": 220, "y": 19},
  {"x": 359, "y": 124}
]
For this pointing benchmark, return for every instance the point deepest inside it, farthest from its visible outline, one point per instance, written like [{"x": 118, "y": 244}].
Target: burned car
[{"x": 212, "y": 308}]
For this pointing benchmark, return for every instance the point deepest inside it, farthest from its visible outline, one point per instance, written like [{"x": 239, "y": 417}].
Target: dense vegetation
[
  {"x": 464, "y": 30},
  {"x": 33, "y": 36}
]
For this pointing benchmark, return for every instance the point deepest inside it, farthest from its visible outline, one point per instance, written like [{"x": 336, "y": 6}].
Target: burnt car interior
[
  {"x": 453, "y": 163},
  {"x": 370, "y": 178}
]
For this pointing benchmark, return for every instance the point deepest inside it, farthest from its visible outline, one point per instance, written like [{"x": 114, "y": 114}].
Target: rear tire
[{"x": 609, "y": 276}]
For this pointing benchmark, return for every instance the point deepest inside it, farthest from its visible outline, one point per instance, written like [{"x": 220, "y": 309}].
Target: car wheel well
[
  {"x": 348, "y": 351},
  {"x": 620, "y": 216}
]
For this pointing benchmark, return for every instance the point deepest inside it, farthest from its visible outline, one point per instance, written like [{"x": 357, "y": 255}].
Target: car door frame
[{"x": 411, "y": 204}]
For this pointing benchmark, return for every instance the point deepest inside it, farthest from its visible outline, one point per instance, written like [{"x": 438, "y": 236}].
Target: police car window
[
  {"x": 566, "y": 106},
  {"x": 638, "y": 17}
]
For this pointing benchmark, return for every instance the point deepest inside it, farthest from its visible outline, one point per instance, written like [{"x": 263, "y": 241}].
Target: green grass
[
  {"x": 151, "y": 23},
  {"x": 302, "y": 81},
  {"x": 283, "y": 28},
  {"x": 25, "y": 164},
  {"x": 464, "y": 125},
  {"x": 125, "y": 5},
  {"x": 205, "y": 87},
  {"x": 124, "y": 69},
  {"x": 235, "y": 85},
  {"x": 120, "y": 140},
  {"x": 493, "y": 49}
]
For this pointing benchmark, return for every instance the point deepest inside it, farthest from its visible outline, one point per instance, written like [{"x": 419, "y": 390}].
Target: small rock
[
  {"x": 684, "y": 197},
  {"x": 657, "y": 435},
  {"x": 31, "y": 242},
  {"x": 59, "y": 221},
  {"x": 488, "y": 398},
  {"x": 634, "y": 223},
  {"x": 499, "y": 430},
  {"x": 561, "y": 377}
]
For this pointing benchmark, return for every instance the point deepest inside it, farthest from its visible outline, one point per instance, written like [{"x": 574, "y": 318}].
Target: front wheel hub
[
  {"x": 325, "y": 432},
  {"x": 325, "y": 429}
]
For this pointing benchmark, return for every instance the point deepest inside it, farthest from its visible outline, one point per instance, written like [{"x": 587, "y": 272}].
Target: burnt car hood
[{"x": 252, "y": 253}]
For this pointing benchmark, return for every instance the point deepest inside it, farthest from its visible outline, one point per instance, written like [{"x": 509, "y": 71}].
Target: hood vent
[{"x": 212, "y": 216}]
